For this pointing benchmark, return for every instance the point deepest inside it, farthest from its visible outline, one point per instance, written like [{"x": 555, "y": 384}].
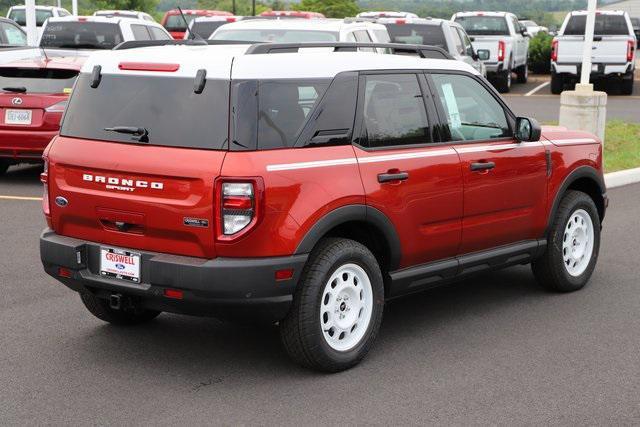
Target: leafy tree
[
  {"x": 540, "y": 53},
  {"x": 330, "y": 8}
]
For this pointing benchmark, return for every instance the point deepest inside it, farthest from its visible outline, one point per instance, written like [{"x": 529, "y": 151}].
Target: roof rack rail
[
  {"x": 423, "y": 51},
  {"x": 132, "y": 44}
]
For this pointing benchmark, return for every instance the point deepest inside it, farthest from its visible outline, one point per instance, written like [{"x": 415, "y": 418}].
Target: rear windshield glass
[
  {"x": 176, "y": 23},
  {"x": 484, "y": 25},
  {"x": 205, "y": 29},
  {"x": 167, "y": 107},
  {"x": 606, "y": 25},
  {"x": 19, "y": 16},
  {"x": 81, "y": 35},
  {"x": 276, "y": 116},
  {"x": 417, "y": 34},
  {"x": 37, "y": 80},
  {"x": 275, "y": 35}
]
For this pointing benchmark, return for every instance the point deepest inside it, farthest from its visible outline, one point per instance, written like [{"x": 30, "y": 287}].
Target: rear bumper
[
  {"x": 602, "y": 70},
  {"x": 493, "y": 67},
  {"x": 222, "y": 287},
  {"x": 24, "y": 144}
]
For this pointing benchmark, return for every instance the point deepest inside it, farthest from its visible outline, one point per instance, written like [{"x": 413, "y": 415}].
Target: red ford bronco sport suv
[{"x": 305, "y": 188}]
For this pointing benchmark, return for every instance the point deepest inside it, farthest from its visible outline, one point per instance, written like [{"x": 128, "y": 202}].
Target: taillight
[
  {"x": 501, "y": 50},
  {"x": 57, "y": 108},
  {"x": 239, "y": 202},
  {"x": 44, "y": 178},
  {"x": 231, "y": 19},
  {"x": 631, "y": 44},
  {"x": 401, "y": 21},
  {"x": 554, "y": 50}
]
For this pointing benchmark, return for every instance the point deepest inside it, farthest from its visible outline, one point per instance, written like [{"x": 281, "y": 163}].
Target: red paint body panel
[
  {"x": 426, "y": 209},
  {"x": 508, "y": 203}
]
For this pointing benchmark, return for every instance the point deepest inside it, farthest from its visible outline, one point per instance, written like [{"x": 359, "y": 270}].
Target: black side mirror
[
  {"x": 524, "y": 32},
  {"x": 483, "y": 54},
  {"x": 527, "y": 130}
]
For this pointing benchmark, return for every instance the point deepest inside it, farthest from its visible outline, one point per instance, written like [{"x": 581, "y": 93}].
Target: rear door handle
[
  {"x": 482, "y": 166},
  {"x": 397, "y": 176}
]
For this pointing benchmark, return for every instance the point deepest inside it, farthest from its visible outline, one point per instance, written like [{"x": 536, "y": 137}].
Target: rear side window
[
  {"x": 269, "y": 114},
  {"x": 140, "y": 32},
  {"x": 394, "y": 112},
  {"x": 12, "y": 35},
  {"x": 19, "y": 16},
  {"x": 431, "y": 35},
  {"x": 166, "y": 107},
  {"x": 158, "y": 34},
  {"x": 205, "y": 29},
  {"x": 81, "y": 35},
  {"x": 484, "y": 25},
  {"x": 606, "y": 25},
  {"x": 38, "y": 80}
]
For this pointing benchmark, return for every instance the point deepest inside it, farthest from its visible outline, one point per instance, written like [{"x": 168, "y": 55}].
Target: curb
[{"x": 620, "y": 178}]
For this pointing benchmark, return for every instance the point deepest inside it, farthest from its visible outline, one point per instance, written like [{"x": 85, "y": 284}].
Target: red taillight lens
[
  {"x": 400, "y": 21},
  {"x": 501, "y": 50},
  {"x": 631, "y": 44},
  {"x": 64, "y": 272},
  {"x": 554, "y": 50},
  {"x": 148, "y": 66},
  {"x": 231, "y": 19},
  {"x": 239, "y": 206},
  {"x": 44, "y": 178},
  {"x": 173, "y": 293}
]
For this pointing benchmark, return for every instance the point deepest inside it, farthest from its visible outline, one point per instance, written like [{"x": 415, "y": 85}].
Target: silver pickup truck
[
  {"x": 612, "y": 55},
  {"x": 505, "y": 39}
]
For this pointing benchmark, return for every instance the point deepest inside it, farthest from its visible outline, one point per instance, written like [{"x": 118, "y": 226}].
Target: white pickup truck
[
  {"x": 613, "y": 52},
  {"x": 506, "y": 41}
]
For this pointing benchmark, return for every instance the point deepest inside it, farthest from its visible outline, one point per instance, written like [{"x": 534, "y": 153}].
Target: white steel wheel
[
  {"x": 577, "y": 242},
  {"x": 346, "y": 307}
]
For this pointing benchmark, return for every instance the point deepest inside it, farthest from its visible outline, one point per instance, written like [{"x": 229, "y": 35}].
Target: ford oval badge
[{"x": 61, "y": 201}]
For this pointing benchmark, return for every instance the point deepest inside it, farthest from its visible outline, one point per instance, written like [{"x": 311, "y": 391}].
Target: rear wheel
[
  {"x": 522, "y": 72},
  {"x": 124, "y": 317},
  {"x": 557, "y": 83},
  {"x": 337, "y": 308},
  {"x": 572, "y": 247}
]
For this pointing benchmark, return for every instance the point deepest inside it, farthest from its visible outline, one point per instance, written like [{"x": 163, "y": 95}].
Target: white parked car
[
  {"x": 386, "y": 14},
  {"x": 532, "y": 27},
  {"x": 97, "y": 32},
  {"x": 448, "y": 35},
  {"x": 18, "y": 14},
  {"x": 506, "y": 40},
  {"x": 304, "y": 30},
  {"x": 204, "y": 26},
  {"x": 132, "y": 14},
  {"x": 613, "y": 54}
]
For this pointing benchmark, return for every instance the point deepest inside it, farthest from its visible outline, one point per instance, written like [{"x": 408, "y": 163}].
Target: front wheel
[
  {"x": 337, "y": 307},
  {"x": 572, "y": 247}
]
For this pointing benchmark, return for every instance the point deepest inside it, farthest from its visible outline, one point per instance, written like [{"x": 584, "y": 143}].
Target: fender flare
[
  {"x": 578, "y": 173},
  {"x": 363, "y": 213}
]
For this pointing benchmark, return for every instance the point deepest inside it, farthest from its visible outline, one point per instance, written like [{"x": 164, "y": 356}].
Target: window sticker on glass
[{"x": 452, "y": 105}]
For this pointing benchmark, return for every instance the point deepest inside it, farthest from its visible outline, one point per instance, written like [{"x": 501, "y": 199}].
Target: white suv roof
[
  {"x": 335, "y": 25},
  {"x": 217, "y": 60},
  {"x": 600, "y": 12},
  {"x": 124, "y": 14},
  {"x": 386, "y": 14},
  {"x": 38, "y": 7},
  {"x": 481, "y": 13}
]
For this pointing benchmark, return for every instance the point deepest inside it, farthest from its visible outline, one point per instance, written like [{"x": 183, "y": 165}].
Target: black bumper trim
[{"x": 216, "y": 287}]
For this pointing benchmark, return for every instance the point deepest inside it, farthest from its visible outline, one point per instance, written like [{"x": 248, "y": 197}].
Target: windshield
[
  {"x": 18, "y": 15},
  {"x": 484, "y": 25},
  {"x": 176, "y": 23},
  {"x": 166, "y": 107},
  {"x": 417, "y": 34},
  {"x": 37, "y": 80},
  {"x": 275, "y": 35},
  {"x": 81, "y": 35},
  {"x": 606, "y": 25},
  {"x": 205, "y": 29}
]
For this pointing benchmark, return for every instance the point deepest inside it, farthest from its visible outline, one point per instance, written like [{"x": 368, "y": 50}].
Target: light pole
[
  {"x": 30, "y": 18},
  {"x": 74, "y": 7},
  {"x": 587, "y": 47}
]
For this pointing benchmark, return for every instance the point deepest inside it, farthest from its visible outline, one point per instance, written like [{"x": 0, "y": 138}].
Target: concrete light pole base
[{"x": 584, "y": 109}]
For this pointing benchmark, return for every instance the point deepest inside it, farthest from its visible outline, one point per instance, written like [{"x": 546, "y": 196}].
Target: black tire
[
  {"x": 4, "y": 166},
  {"x": 503, "y": 81},
  {"x": 125, "y": 317},
  {"x": 626, "y": 87},
  {"x": 557, "y": 83},
  {"x": 550, "y": 270},
  {"x": 522, "y": 73},
  {"x": 302, "y": 331}
]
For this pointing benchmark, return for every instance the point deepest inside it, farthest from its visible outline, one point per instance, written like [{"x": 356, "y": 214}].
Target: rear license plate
[
  {"x": 18, "y": 117},
  {"x": 120, "y": 264}
]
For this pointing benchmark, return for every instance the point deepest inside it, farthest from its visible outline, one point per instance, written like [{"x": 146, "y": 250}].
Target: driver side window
[{"x": 471, "y": 111}]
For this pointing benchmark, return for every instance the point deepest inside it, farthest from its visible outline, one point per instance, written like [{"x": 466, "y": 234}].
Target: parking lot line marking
[
  {"x": 34, "y": 199},
  {"x": 537, "y": 88}
]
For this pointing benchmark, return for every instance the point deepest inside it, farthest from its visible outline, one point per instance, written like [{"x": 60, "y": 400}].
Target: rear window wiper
[
  {"x": 17, "y": 89},
  {"x": 140, "y": 134}
]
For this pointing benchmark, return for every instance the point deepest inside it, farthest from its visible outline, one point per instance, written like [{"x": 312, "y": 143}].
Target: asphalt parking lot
[{"x": 492, "y": 350}]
